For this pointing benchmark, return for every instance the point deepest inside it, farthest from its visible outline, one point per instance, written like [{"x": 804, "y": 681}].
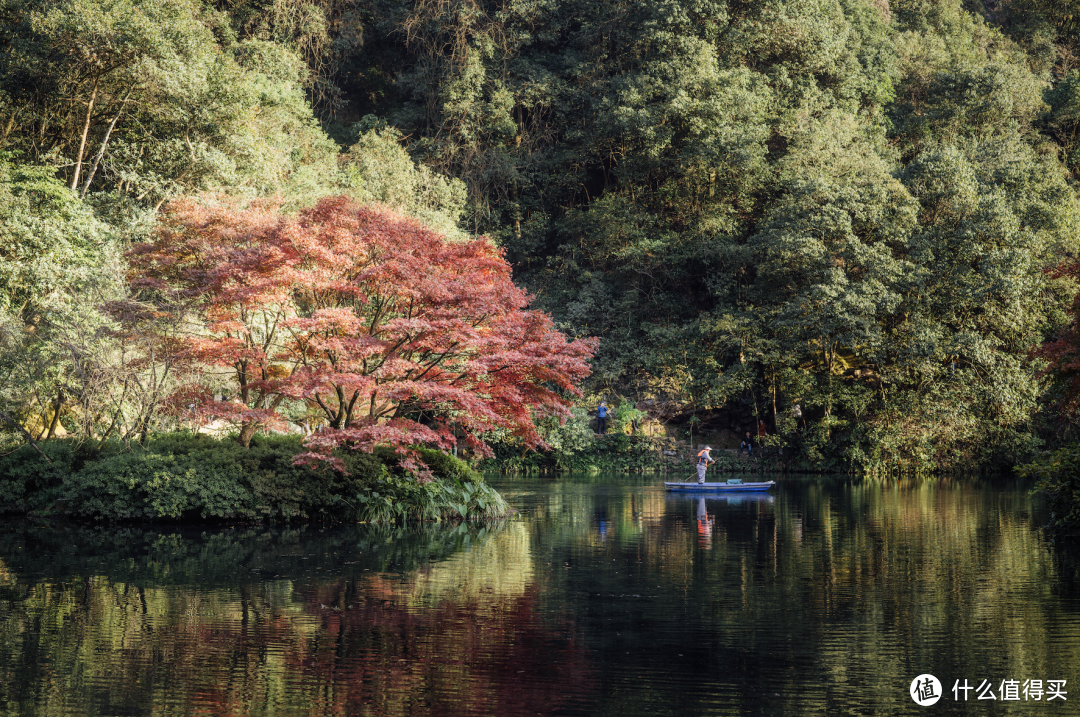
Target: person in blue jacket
[{"x": 601, "y": 418}]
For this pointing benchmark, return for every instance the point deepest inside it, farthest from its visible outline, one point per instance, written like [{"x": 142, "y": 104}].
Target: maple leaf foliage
[{"x": 394, "y": 335}]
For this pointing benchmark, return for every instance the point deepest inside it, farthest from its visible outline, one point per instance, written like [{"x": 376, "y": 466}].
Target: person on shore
[
  {"x": 747, "y": 445},
  {"x": 601, "y": 418},
  {"x": 704, "y": 460}
]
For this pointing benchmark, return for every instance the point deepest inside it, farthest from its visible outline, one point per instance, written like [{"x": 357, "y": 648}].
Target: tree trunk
[
  {"x": 104, "y": 143},
  {"x": 247, "y": 432},
  {"x": 56, "y": 413},
  {"x": 775, "y": 429},
  {"x": 10, "y": 126},
  {"x": 339, "y": 415},
  {"x": 85, "y": 131}
]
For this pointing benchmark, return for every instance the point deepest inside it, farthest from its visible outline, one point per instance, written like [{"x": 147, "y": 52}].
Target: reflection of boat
[
  {"x": 727, "y": 497},
  {"x": 725, "y": 487}
]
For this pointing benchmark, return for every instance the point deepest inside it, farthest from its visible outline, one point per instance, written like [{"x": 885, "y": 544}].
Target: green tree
[
  {"x": 150, "y": 98},
  {"x": 58, "y": 262},
  {"x": 378, "y": 170}
]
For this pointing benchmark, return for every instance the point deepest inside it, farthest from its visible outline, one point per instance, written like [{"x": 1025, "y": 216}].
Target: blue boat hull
[{"x": 725, "y": 487}]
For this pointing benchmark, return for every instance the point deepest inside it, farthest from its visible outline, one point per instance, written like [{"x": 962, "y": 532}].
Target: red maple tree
[{"x": 397, "y": 336}]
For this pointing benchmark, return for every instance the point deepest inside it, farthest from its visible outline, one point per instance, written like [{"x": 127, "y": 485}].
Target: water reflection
[
  {"x": 604, "y": 597},
  {"x": 704, "y": 525},
  {"x": 354, "y": 621},
  {"x": 827, "y": 597}
]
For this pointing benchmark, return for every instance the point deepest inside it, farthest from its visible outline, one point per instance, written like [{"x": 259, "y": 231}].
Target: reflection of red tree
[
  {"x": 480, "y": 656},
  {"x": 365, "y": 647},
  {"x": 368, "y": 318}
]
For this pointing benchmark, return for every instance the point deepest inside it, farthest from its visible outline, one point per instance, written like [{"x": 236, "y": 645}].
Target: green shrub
[
  {"x": 395, "y": 500},
  {"x": 28, "y": 481},
  {"x": 184, "y": 477},
  {"x": 446, "y": 466},
  {"x": 148, "y": 486},
  {"x": 458, "y": 493}
]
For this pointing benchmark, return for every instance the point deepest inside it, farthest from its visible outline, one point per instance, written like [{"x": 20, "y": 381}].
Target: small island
[{"x": 387, "y": 344}]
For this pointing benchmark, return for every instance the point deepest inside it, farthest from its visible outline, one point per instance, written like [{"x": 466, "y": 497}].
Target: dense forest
[{"x": 840, "y": 216}]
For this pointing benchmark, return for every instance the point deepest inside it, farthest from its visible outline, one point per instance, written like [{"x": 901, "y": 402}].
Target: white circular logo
[{"x": 925, "y": 690}]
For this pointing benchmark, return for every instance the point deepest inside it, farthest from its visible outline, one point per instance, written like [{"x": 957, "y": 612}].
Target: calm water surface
[{"x": 603, "y": 597}]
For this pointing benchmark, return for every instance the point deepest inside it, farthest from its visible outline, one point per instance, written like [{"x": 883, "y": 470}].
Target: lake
[{"x": 603, "y": 596}]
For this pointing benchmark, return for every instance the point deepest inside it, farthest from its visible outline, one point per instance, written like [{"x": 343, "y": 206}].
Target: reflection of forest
[
  {"x": 829, "y": 591},
  {"x": 446, "y": 636},
  {"x": 600, "y": 599}
]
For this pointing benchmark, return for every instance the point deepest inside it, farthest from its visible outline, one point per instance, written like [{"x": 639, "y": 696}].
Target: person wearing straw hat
[{"x": 703, "y": 462}]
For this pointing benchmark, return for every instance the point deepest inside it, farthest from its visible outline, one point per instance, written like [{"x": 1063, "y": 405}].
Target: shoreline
[{"x": 182, "y": 478}]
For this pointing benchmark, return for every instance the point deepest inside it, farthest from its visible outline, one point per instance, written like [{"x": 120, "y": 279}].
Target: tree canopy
[
  {"x": 844, "y": 204},
  {"x": 850, "y": 206},
  {"x": 387, "y": 332}
]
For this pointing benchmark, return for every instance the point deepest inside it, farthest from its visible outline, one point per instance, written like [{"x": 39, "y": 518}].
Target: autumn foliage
[{"x": 387, "y": 332}]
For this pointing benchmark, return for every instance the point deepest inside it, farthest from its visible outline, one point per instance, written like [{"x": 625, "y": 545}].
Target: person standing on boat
[{"x": 703, "y": 462}]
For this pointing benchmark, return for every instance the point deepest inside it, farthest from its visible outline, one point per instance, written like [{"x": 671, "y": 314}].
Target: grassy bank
[
  {"x": 179, "y": 477},
  {"x": 621, "y": 453}
]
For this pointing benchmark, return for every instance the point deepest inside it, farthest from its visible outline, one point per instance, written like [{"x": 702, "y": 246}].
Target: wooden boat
[{"x": 726, "y": 486}]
